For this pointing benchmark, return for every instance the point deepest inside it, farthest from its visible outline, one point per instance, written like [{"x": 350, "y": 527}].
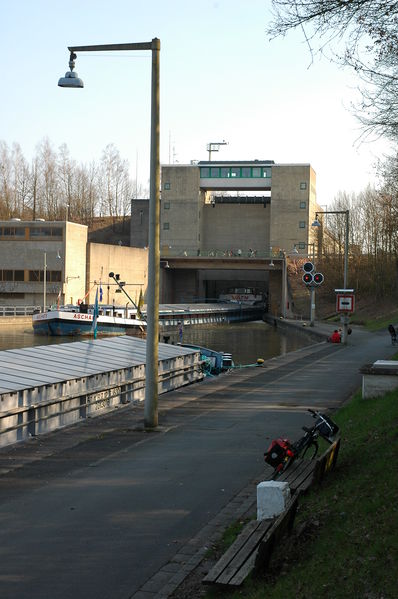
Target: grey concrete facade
[
  {"x": 255, "y": 209},
  {"x": 195, "y": 216},
  {"x": 74, "y": 268}
]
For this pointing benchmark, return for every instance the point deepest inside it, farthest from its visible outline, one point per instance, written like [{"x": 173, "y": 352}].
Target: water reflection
[
  {"x": 22, "y": 336},
  {"x": 245, "y": 341}
]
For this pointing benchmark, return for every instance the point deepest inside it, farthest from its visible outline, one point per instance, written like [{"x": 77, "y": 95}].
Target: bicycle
[{"x": 282, "y": 452}]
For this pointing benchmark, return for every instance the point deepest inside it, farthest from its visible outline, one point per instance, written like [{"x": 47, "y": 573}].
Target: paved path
[{"x": 105, "y": 510}]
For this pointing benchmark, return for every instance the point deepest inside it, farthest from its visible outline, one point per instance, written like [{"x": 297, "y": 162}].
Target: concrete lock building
[
  {"x": 46, "y": 262},
  {"x": 230, "y": 224}
]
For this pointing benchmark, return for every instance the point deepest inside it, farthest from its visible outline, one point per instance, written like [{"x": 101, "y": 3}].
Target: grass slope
[{"x": 346, "y": 532}]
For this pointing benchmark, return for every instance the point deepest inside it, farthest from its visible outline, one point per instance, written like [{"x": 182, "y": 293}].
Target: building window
[
  {"x": 12, "y": 295},
  {"x": 235, "y": 172},
  {"x": 303, "y": 185},
  {"x": 267, "y": 172},
  {"x": 166, "y": 226},
  {"x": 45, "y": 232},
  {"x": 141, "y": 216},
  {"x": 12, "y": 232},
  {"x": 52, "y": 276},
  {"x": 34, "y": 275},
  {"x": 11, "y": 275},
  {"x": 224, "y": 172},
  {"x": 302, "y": 224},
  {"x": 166, "y": 205},
  {"x": 8, "y": 275},
  {"x": 167, "y": 185},
  {"x": 302, "y": 245},
  {"x": 256, "y": 172},
  {"x": 246, "y": 171},
  {"x": 303, "y": 204},
  {"x": 204, "y": 171},
  {"x": 18, "y": 275},
  {"x": 214, "y": 172}
]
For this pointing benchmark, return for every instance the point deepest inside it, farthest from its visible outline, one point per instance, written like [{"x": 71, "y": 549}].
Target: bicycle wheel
[{"x": 310, "y": 452}]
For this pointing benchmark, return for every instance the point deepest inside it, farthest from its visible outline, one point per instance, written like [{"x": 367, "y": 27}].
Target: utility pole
[{"x": 214, "y": 146}]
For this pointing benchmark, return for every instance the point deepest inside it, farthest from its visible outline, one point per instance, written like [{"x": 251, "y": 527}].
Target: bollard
[{"x": 272, "y": 497}]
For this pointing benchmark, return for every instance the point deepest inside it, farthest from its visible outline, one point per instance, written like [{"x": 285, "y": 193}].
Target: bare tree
[
  {"x": 6, "y": 188},
  {"x": 367, "y": 30},
  {"x": 66, "y": 171},
  {"x": 49, "y": 180},
  {"x": 116, "y": 182},
  {"x": 21, "y": 182}
]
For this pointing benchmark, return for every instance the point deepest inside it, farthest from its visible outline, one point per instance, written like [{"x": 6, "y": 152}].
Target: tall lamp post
[
  {"x": 317, "y": 223},
  {"x": 45, "y": 282},
  {"x": 312, "y": 287},
  {"x": 71, "y": 80}
]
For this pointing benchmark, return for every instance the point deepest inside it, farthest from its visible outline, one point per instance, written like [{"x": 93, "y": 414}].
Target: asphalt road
[{"x": 97, "y": 510}]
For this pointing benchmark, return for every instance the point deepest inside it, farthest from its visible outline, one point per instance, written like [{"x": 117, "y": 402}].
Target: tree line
[
  {"x": 54, "y": 186},
  {"x": 361, "y": 35},
  {"x": 372, "y": 240}
]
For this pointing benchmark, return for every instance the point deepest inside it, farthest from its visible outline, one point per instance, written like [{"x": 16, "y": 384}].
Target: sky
[{"x": 221, "y": 78}]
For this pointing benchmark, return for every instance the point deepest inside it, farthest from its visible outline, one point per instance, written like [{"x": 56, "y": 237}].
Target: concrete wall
[
  {"x": 180, "y": 208},
  {"x": 130, "y": 263},
  {"x": 139, "y": 223},
  {"x": 288, "y": 182},
  {"x": 65, "y": 254},
  {"x": 74, "y": 263},
  {"x": 236, "y": 226}
]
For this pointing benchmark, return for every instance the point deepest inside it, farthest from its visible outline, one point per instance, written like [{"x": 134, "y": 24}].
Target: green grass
[
  {"x": 348, "y": 547},
  {"x": 368, "y": 322},
  {"x": 376, "y": 324}
]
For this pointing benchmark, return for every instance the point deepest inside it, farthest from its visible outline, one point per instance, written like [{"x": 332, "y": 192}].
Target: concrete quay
[{"x": 105, "y": 510}]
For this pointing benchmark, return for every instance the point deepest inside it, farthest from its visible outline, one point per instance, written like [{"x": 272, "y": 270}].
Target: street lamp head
[
  {"x": 316, "y": 223},
  {"x": 71, "y": 79}
]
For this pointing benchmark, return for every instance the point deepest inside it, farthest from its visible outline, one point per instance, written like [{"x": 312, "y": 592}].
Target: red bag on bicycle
[{"x": 277, "y": 452}]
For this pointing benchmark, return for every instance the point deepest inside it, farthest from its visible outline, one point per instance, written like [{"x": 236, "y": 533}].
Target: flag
[
  {"x": 140, "y": 305},
  {"x": 95, "y": 314},
  {"x": 100, "y": 297}
]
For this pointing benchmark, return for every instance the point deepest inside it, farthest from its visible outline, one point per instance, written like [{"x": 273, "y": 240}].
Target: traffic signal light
[
  {"x": 318, "y": 278},
  {"x": 307, "y": 278},
  {"x": 308, "y": 267}
]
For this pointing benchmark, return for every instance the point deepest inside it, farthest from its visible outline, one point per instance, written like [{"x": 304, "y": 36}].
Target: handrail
[
  {"x": 18, "y": 310},
  {"x": 125, "y": 388},
  {"x": 170, "y": 252}
]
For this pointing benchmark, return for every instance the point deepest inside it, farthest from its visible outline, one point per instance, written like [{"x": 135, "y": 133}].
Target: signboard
[{"x": 345, "y": 302}]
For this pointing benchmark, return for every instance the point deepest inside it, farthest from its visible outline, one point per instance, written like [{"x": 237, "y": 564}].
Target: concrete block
[
  {"x": 374, "y": 385},
  {"x": 272, "y": 497}
]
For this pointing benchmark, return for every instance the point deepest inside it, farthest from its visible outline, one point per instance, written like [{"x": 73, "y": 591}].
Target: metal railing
[
  {"x": 18, "y": 310},
  {"x": 216, "y": 253},
  {"x": 37, "y": 412}
]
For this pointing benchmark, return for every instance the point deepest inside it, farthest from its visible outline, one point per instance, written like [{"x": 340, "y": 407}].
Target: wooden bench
[
  {"x": 252, "y": 549},
  {"x": 244, "y": 554}
]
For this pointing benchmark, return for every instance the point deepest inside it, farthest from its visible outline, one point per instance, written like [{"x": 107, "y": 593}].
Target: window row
[
  {"x": 302, "y": 225},
  {"x": 242, "y": 172},
  {"x": 31, "y": 232},
  {"x": 52, "y": 276}
]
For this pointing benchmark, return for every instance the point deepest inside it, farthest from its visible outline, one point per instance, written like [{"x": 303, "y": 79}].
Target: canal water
[{"x": 246, "y": 341}]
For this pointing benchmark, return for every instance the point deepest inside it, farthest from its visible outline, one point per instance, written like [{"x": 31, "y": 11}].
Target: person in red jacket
[{"x": 335, "y": 337}]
